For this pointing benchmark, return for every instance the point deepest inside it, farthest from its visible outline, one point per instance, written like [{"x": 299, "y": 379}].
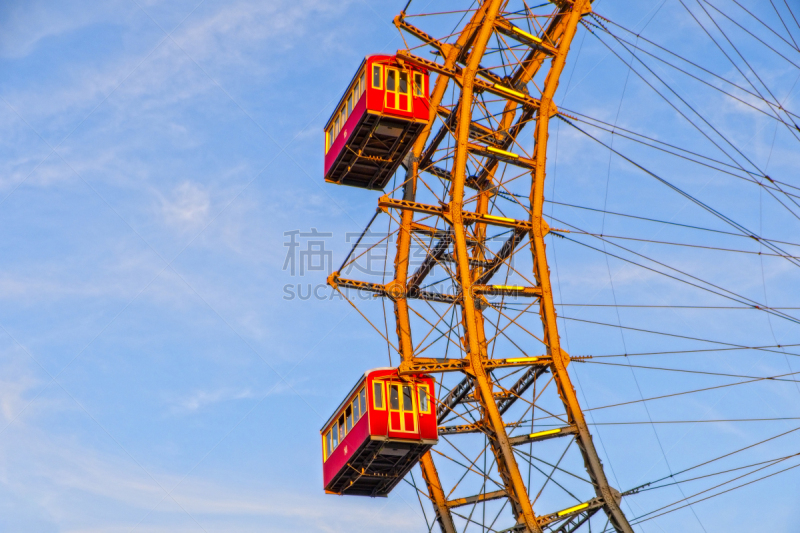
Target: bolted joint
[
  {"x": 481, "y": 302},
  {"x": 395, "y": 290},
  {"x": 333, "y": 280}
]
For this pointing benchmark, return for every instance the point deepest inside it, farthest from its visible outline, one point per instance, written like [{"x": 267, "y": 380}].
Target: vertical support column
[
  {"x": 429, "y": 472},
  {"x": 542, "y": 272},
  {"x": 431, "y": 477},
  {"x": 506, "y": 462},
  {"x": 479, "y": 253},
  {"x": 399, "y": 284}
]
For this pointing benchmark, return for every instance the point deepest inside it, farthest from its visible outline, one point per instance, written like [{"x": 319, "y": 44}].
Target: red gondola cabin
[
  {"x": 378, "y": 433},
  {"x": 375, "y": 124}
]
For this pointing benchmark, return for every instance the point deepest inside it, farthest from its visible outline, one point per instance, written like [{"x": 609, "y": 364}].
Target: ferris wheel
[{"x": 478, "y": 411}]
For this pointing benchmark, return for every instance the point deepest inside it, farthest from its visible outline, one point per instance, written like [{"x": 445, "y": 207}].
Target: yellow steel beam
[
  {"x": 507, "y": 290},
  {"x": 467, "y": 428},
  {"x": 502, "y": 155},
  {"x": 445, "y": 49},
  {"x": 451, "y": 55},
  {"x": 504, "y": 453},
  {"x": 507, "y": 28},
  {"x": 391, "y": 290},
  {"x": 446, "y": 213},
  {"x": 478, "y": 132},
  {"x": 422, "y": 365},
  {"x": 478, "y": 498},
  {"x": 459, "y": 75},
  {"x": 571, "y": 18},
  {"x": 543, "y": 435},
  {"x": 571, "y": 511},
  {"x": 438, "y": 498}
]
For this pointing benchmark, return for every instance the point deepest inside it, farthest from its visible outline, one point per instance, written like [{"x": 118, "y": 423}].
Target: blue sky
[{"x": 153, "y": 377}]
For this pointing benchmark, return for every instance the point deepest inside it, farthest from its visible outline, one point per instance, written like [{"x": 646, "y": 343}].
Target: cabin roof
[
  {"x": 350, "y": 395},
  {"x": 347, "y": 91},
  {"x": 353, "y": 81}
]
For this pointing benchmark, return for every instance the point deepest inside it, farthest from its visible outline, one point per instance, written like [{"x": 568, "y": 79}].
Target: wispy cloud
[
  {"x": 25, "y": 24},
  {"x": 57, "y": 474},
  {"x": 188, "y": 206},
  {"x": 201, "y": 399}
]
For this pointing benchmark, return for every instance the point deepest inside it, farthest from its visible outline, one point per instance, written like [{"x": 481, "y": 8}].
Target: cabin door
[
  {"x": 404, "y": 92},
  {"x": 398, "y": 90},
  {"x": 402, "y": 408},
  {"x": 392, "y": 85}
]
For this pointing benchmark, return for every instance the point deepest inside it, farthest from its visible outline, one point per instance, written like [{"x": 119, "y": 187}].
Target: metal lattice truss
[{"x": 470, "y": 275}]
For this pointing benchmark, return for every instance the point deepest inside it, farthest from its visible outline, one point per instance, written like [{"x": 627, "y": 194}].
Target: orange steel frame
[{"x": 461, "y": 62}]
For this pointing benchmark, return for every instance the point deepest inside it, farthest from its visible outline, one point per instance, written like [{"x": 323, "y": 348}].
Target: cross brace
[
  {"x": 425, "y": 365},
  {"x": 445, "y": 212}
]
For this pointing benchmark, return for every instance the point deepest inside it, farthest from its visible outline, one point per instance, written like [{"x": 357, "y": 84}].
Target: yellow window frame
[
  {"x": 327, "y": 437},
  {"x": 379, "y": 69},
  {"x": 396, "y": 89},
  {"x": 391, "y": 385},
  {"x": 342, "y": 428},
  {"x": 420, "y": 85},
  {"x": 409, "y": 80},
  {"x": 414, "y": 400},
  {"x": 375, "y": 406},
  {"x": 409, "y": 94},
  {"x": 427, "y": 389}
]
